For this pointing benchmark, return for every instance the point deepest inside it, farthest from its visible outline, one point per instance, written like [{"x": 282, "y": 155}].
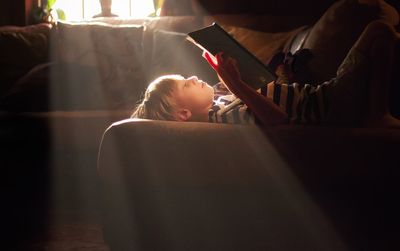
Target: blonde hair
[{"x": 158, "y": 102}]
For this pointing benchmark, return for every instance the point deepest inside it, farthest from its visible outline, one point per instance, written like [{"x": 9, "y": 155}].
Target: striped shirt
[
  {"x": 303, "y": 104},
  {"x": 229, "y": 109},
  {"x": 342, "y": 96}
]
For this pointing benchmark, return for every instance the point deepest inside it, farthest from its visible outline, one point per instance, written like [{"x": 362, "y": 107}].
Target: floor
[
  {"x": 67, "y": 231},
  {"x": 69, "y": 236}
]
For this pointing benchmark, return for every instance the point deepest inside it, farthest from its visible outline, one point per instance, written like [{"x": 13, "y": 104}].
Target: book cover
[{"x": 215, "y": 39}]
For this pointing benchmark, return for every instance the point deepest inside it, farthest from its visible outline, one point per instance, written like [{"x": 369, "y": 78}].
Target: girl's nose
[{"x": 194, "y": 78}]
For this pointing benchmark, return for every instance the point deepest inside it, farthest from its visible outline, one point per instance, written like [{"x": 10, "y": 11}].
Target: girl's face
[{"x": 194, "y": 94}]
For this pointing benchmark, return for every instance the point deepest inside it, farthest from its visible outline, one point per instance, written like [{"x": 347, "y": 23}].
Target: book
[{"x": 215, "y": 39}]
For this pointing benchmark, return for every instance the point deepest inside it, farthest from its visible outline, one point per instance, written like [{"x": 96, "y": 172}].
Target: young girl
[{"x": 357, "y": 96}]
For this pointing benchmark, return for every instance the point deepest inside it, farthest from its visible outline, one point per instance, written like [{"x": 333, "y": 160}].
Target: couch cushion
[
  {"x": 336, "y": 31},
  {"x": 102, "y": 65}
]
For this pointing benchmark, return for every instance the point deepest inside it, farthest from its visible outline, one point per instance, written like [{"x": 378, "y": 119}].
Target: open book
[{"x": 215, "y": 39}]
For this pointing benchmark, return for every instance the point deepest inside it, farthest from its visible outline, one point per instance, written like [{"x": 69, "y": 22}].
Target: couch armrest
[
  {"x": 201, "y": 186},
  {"x": 345, "y": 153},
  {"x": 176, "y": 146}
]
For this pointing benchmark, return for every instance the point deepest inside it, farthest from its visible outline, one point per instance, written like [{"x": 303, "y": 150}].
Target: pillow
[
  {"x": 102, "y": 65},
  {"x": 336, "y": 31},
  {"x": 181, "y": 24},
  {"x": 174, "y": 54}
]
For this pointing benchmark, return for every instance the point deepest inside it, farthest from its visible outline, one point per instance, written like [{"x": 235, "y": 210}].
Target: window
[{"x": 86, "y": 9}]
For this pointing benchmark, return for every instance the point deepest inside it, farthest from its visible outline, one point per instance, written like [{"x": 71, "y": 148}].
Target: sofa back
[
  {"x": 210, "y": 7},
  {"x": 106, "y": 64}
]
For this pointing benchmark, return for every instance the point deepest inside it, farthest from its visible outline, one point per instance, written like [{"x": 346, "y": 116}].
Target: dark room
[{"x": 194, "y": 125}]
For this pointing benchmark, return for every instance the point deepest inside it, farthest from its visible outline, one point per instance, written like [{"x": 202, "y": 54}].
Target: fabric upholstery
[
  {"x": 180, "y": 24},
  {"x": 236, "y": 187},
  {"x": 108, "y": 57},
  {"x": 162, "y": 177}
]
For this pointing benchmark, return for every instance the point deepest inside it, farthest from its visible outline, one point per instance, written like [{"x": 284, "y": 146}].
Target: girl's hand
[
  {"x": 227, "y": 71},
  {"x": 265, "y": 110}
]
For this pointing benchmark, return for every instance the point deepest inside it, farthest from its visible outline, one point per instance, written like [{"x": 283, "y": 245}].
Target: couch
[
  {"x": 195, "y": 186},
  {"x": 64, "y": 84}
]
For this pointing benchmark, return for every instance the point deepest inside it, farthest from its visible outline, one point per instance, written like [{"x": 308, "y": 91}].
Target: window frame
[{"x": 82, "y": 10}]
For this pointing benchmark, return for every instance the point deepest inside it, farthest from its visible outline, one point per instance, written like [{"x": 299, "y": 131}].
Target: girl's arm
[{"x": 264, "y": 109}]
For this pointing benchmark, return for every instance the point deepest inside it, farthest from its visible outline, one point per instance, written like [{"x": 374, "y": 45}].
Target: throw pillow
[
  {"x": 181, "y": 24},
  {"x": 111, "y": 55},
  {"x": 336, "y": 31}
]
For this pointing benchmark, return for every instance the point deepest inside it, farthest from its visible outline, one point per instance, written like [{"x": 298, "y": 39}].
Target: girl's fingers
[
  {"x": 233, "y": 62},
  {"x": 210, "y": 59},
  {"x": 222, "y": 65},
  {"x": 219, "y": 58}
]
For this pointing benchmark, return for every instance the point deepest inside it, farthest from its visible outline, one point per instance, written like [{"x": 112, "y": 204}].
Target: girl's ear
[{"x": 184, "y": 114}]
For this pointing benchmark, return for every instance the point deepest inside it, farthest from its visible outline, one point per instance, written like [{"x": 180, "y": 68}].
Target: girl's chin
[{"x": 211, "y": 89}]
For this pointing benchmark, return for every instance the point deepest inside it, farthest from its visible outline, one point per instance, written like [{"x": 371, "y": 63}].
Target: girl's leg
[{"x": 377, "y": 42}]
